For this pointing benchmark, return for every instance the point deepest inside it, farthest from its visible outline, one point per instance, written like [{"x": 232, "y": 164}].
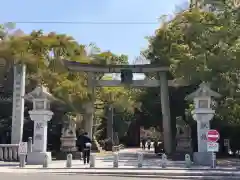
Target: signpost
[
  {"x": 227, "y": 144},
  {"x": 212, "y": 146}
]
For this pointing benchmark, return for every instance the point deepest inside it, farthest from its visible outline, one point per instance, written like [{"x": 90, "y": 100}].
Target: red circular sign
[{"x": 213, "y": 135}]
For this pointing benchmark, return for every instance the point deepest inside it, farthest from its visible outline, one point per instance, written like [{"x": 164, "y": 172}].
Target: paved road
[
  {"x": 67, "y": 176},
  {"x": 128, "y": 159},
  {"x": 71, "y": 176}
]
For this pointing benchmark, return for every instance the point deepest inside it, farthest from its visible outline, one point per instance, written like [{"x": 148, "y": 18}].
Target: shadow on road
[
  {"x": 167, "y": 177},
  {"x": 9, "y": 164}
]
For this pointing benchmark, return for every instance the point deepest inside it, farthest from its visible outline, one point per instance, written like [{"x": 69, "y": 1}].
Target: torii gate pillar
[{"x": 166, "y": 116}]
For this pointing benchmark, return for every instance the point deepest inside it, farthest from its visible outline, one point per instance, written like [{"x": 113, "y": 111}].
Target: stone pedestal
[
  {"x": 37, "y": 158},
  {"x": 184, "y": 145},
  {"x": 202, "y": 158},
  {"x": 203, "y": 117},
  {"x": 68, "y": 144},
  {"x": 183, "y": 137},
  {"x": 40, "y": 118},
  {"x": 68, "y": 138}
]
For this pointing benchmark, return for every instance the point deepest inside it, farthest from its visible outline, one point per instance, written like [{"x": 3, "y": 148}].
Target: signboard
[
  {"x": 226, "y": 142},
  {"x": 22, "y": 149},
  {"x": 212, "y": 147},
  {"x": 213, "y": 135}
]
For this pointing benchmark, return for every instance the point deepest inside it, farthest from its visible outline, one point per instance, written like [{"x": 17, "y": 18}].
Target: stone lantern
[
  {"x": 40, "y": 114},
  {"x": 202, "y": 114}
]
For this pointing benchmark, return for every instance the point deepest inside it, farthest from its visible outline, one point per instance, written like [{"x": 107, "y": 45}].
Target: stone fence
[{"x": 9, "y": 152}]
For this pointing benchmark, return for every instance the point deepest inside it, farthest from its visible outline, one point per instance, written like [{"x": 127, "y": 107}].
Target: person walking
[
  {"x": 86, "y": 146},
  {"x": 80, "y": 143},
  {"x": 143, "y": 143},
  {"x": 149, "y": 144}
]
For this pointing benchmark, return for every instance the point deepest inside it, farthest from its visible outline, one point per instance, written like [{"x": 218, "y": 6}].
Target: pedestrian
[
  {"x": 80, "y": 143},
  {"x": 143, "y": 143},
  {"x": 155, "y": 145},
  {"x": 149, "y": 144},
  {"x": 86, "y": 145}
]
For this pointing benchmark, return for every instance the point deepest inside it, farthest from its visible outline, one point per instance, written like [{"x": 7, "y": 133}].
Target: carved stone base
[
  {"x": 184, "y": 144},
  {"x": 68, "y": 144},
  {"x": 63, "y": 155},
  {"x": 202, "y": 158},
  {"x": 38, "y": 158}
]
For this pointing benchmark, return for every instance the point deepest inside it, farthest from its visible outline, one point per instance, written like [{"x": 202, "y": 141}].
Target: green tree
[{"x": 200, "y": 46}]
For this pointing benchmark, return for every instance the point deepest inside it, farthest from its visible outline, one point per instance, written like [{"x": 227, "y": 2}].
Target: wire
[{"x": 87, "y": 22}]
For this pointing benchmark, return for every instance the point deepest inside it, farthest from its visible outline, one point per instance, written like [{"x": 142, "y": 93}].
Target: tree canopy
[
  {"x": 203, "y": 44},
  {"x": 43, "y": 53}
]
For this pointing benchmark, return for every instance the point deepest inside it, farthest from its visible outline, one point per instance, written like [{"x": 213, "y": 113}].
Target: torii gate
[{"x": 162, "y": 82}]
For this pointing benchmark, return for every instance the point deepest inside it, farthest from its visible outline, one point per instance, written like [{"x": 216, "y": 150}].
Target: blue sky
[{"x": 119, "y": 38}]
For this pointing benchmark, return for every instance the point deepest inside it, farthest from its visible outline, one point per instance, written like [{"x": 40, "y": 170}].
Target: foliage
[
  {"x": 43, "y": 54},
  {"x": 200, "y": 46}
]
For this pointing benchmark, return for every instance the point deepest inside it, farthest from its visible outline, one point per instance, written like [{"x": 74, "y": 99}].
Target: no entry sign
[{"x": 213, "y": 135}]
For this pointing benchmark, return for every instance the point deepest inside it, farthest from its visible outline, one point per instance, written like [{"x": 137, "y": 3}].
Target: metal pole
[{"x": 213, "y": 160}]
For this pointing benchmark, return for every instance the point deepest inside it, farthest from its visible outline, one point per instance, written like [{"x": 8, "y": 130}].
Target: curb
[{"x": 132, "y": 169}]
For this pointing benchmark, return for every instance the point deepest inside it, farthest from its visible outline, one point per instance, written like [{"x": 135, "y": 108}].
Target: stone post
[
  {"x": 18, "y": 103},
  {"x": 92, "y": 161},
  {"x": 115, "y": 159},
  {"x": 202, "y": 114},
  {"x": 40, "y": 114},
  {"x": 30, "y": 144},
  {"x": 166, "y": 118},
  {"x": 140, "y": 160},
  {"x": 69, "y": 161},
  {"x": 164, "y": 161}
]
